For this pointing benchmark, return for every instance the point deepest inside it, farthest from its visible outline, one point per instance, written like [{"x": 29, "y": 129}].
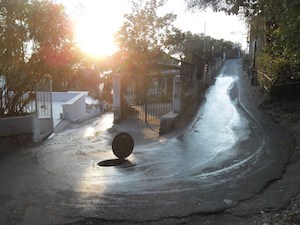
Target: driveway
[{"x": 227, "y": 153}]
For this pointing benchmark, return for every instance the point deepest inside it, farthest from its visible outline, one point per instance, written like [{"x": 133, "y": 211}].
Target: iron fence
[{"x": 147, "y": 99}]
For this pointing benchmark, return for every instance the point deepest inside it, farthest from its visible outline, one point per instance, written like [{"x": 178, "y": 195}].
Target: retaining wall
[
  {"x": 169, "y": 120},
  {"x": 75, "y": 108},
  {"x": 21, "y": 125}
]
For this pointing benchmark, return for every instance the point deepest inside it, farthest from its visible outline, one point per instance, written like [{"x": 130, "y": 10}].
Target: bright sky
[{"x": 97, "y": 16}]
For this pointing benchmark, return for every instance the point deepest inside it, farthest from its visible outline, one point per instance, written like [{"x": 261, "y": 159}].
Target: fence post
[
  {"x": 117, "y": 97},
  {"x": 36, "y": 128},
  {"x": 176, "y": 94},
  {"x": 51, "y": 101}
]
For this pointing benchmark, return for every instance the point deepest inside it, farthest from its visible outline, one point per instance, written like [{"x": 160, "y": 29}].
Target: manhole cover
[
  {"x": 122, "y": 145},
  {"x": 116, "y": 162}
]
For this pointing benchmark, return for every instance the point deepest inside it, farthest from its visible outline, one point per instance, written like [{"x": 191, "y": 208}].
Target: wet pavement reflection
[
  {"x": 213, "y": 138},
  {"x": 225, "y": 155}
]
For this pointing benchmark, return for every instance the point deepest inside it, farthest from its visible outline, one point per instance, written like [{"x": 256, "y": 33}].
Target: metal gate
[
  {"x": 158, "y": 98},
  {"x": 147, "y": 99},
  {"x": 43, "y": 102},
  {"x": 43, "y": 99}
]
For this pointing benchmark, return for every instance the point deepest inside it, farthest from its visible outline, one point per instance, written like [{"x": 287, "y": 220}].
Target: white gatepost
[
  {"x": 176, "y": 94},
  {"x": 36, "y": 127},
  {"x": 117, "y": 97}
]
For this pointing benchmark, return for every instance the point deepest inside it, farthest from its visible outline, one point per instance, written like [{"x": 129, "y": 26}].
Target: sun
[
  {"x": 96, "y": 27},
  {"x": 94, "y": 38}
]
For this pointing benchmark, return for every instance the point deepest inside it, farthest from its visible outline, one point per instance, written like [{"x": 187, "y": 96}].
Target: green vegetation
[
  {"x": 190, "y": 44},
  {"x": 276, "y": 27},
  {"x": 37, "y": 41},
  {"x": 279, "y": 54},
  {"x": 144, "y": 35}
]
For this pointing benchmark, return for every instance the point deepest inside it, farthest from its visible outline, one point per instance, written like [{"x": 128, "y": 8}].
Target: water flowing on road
[{"x": 227, "y": 154}]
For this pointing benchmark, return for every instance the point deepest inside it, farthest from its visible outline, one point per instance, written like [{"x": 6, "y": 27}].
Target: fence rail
[
  {"x": 149, "y": 96},
  {"x": 147, "y": 99}
]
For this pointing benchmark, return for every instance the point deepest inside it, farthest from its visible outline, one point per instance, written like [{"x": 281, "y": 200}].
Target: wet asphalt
[{"x": 226, "y": 155}]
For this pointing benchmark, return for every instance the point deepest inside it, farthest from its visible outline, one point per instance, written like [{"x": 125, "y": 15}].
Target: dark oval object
[{"x": 122, "y": 145}]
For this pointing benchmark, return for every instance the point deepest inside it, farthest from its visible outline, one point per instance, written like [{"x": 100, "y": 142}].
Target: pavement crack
[
  {"x": 171, "y": 220},
  {"x": 264, "y": 199}
]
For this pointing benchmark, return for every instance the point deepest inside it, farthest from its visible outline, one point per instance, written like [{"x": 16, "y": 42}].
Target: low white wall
[
  {"x": 63, "y": 96},
  {"x": 45, "y": 128},
  {"x": 21, "y": 125},
  {"x": 17, "y": 125},
  {"x": 75, "y": 108},
  {"x": 31, "y": 125}
]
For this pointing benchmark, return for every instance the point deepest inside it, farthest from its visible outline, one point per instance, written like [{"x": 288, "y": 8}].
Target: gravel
[{"x": 287, "y": 114}]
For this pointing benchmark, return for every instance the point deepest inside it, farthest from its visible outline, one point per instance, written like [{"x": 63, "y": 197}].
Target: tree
[
  {"x": 276, "y": 26},
  {"x": 230, "y": 6},
  {"x": 35, "y": 39},
  {"x": 53, "y": 49},
  {"x": 281, "y": 45},
  {"x": 200, "y": 45},
  {"x": 144, "y": 35}
]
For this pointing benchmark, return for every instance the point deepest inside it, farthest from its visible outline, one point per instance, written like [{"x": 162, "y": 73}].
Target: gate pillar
[
  {"x": 176, "y": 94},
  {"x": 117, "y": 97}
]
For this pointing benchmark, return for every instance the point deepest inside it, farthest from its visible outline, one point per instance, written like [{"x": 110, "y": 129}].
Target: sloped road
[{"x": 227, "y": 154}]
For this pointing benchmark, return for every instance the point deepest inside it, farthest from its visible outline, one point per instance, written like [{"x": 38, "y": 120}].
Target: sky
[{"x": 108, "y": 16}]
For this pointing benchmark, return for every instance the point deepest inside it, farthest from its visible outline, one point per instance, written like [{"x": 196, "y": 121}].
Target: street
[{"x": 228, "y": 153}]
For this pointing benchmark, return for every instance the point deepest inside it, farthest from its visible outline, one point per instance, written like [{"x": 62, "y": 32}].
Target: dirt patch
[{"x": 286, "y": 113}]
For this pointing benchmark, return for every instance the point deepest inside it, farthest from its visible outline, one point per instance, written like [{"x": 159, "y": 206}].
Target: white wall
[
  {"x": 17, "y": 125},
  {"x": 74, "y": 109},
  {"x": 63, "y": 96}
]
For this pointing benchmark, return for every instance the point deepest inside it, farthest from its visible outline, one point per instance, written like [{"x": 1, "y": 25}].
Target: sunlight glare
[
  {"x": 96, "y": 27},
  {"x": 89, "y": 132}
]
